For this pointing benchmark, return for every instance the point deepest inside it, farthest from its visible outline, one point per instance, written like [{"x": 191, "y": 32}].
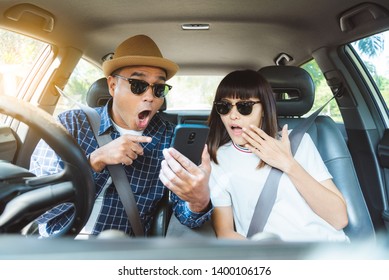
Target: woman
[{"x": 244, "y": 143}]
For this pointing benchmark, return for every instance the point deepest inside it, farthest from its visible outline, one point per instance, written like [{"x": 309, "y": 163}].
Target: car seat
[{"x": 294, "y": 90}]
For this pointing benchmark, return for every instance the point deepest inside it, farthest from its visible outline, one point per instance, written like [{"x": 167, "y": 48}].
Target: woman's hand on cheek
[{"x": 274, "y": 152}]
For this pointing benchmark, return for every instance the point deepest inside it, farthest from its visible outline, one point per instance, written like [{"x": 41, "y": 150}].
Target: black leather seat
[
  {"x": 297, "y": 85},
  {"x": 98, "y": 94}
]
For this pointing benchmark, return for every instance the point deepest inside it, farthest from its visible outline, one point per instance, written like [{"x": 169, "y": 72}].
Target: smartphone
[{"x": 189, "y": 140}]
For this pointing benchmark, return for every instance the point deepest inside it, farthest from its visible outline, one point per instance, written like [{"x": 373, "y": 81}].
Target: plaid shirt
[{"x": 143, "y": 176}]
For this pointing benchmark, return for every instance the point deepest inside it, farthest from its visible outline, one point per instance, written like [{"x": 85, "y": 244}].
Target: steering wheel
[{"x": 74, "y": 184}]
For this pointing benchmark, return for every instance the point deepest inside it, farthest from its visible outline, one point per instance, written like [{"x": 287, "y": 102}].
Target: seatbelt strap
[
  {"x": 269, "y": 192},
  {"x": 117, "y": 172}
]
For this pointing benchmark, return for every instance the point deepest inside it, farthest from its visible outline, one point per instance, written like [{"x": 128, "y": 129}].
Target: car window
[
  {"x": 188, "y": 92},
  {"x": 323, "y": 93},
  {"x": 77, "y": 87},
  {"x": 373, "y": 52},
  {"x": 18, "y": 55},
  {"x": 197, "y": 92},
  {"x": 192, "y": 92}
]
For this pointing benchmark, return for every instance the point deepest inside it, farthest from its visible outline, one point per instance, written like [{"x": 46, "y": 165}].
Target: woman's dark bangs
[
  {"x": 239, "y": 90},
  {"x": 244, "y": 92},
  {"x": 239, "y": 85}
]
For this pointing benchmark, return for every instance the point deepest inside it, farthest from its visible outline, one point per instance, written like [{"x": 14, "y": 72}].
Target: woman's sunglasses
[
  {"x": 138, "y": 87},
  {"x": 244, "y": 107}
]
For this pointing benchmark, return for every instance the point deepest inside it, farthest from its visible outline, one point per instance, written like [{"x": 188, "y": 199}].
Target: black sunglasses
[
  {"x": 244, "y": 107},
  {"x": 138, "y": 87}
]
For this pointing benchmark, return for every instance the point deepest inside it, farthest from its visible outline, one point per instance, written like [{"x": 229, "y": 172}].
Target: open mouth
[
  {"x": 237, "y": 130},
  {"x": 143, "y": 119}
]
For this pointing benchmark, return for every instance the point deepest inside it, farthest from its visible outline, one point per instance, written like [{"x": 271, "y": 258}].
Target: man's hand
[
  {"x": 123, "y": 150},
  {"x": 187, "y": 180}
]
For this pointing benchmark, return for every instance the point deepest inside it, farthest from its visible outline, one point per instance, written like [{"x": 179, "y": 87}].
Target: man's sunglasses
[
  {"x": 138, "y": 87},
  {"x": 244, "y": 107}
]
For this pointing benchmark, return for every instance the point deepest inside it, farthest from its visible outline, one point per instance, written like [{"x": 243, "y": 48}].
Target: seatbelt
[
  {"x": 269, "y": 192},
  {"x": 117, "y": 172}
]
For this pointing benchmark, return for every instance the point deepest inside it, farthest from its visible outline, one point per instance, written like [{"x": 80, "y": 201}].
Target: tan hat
[{"x": 139, "y": 50}]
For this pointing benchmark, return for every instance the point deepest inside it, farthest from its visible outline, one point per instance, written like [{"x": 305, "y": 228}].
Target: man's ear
[{"x": 111, "y": 81}]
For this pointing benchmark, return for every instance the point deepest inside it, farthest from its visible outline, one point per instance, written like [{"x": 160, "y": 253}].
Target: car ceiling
[{"x": 242, "y": 34}]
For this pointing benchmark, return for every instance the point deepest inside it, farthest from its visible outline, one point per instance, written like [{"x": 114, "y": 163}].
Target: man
[{"x": 136, "y": 77}]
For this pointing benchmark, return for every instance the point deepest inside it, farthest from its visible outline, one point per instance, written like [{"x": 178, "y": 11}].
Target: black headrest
[
  {"x": 293, "y": 87},
  {"x": 98, "y": 94}
]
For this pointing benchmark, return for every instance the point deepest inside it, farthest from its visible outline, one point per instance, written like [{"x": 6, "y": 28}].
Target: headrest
[
  {"x": 98, "y": 94},
  {"x": 293, "y": 87}
]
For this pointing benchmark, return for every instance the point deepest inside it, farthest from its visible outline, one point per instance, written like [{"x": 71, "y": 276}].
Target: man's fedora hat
[{"x": 139, "y": 50}]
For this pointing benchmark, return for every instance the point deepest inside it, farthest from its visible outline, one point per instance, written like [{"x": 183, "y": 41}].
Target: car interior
[
  {"x": 274, "y": 38},
  {"x": 297, "y": 85}
]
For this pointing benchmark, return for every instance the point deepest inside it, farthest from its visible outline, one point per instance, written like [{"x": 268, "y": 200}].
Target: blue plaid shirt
[{"x": 143, "y": 176}]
